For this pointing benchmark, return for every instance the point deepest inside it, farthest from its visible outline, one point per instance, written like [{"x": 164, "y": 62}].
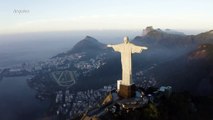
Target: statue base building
[{"x": 127, "y": 91}]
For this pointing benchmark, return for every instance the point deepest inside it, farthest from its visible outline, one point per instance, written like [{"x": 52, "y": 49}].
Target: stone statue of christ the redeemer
[{"x": 127, "y": 49}]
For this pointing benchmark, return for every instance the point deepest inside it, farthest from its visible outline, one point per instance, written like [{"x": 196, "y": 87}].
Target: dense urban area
[{"x": 64, "y": 72}]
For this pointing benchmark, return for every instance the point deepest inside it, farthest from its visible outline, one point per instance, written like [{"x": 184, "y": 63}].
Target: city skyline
[{"x": 43, "y": 16}]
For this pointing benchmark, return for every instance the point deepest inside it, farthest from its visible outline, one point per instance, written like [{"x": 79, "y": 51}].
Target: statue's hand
[
  {"x": 145, "y": 48},
  {"x": 109, "y": 45}
]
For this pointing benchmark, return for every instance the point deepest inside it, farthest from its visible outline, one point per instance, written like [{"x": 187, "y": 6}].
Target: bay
[{"x": 17, "y": 100}]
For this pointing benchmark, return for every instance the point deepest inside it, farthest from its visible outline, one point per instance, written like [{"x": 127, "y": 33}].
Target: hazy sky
[{"x": 60, "y": 15}]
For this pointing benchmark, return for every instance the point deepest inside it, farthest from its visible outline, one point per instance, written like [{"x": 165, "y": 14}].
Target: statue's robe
[{"x": 126, "y": 50}]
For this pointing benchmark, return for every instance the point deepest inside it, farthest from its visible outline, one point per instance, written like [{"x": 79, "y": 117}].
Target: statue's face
[{"x": 126, "y": 40}]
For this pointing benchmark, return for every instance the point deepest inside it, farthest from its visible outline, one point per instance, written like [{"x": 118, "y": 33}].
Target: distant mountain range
[
  {"x": 161, "y": 39},
  {"x": 183, "y": 61}
]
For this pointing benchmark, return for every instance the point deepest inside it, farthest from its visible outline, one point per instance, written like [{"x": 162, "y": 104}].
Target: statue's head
[{"x": 126, "y": 39}]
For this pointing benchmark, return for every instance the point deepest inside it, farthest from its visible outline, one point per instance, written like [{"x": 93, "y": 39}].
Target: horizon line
[{"x": 185, "y": 31}]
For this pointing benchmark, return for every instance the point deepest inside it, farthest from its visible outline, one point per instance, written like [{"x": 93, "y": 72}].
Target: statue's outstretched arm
[
  {"x": 115, "y": 47},
  {"x": 138, "y": 49},
  {"x": 144, "y": 48},
  {"x": 109, "y": 45}
]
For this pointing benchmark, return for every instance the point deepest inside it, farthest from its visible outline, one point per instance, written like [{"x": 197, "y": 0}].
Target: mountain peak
[
  {"x": 150, "y": 30},
  {"x": 87, "y": 44},
  {"x": 89, "y": 37},
  {"x": 147, "y": 30},
  {"x": 156, "y": 33}
]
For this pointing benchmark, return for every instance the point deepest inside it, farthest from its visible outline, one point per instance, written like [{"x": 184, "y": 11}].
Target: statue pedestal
[{"x": 127, "y": 91}]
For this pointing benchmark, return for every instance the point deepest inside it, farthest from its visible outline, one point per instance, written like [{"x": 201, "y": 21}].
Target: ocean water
[{"x": 17, "y": 100}]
